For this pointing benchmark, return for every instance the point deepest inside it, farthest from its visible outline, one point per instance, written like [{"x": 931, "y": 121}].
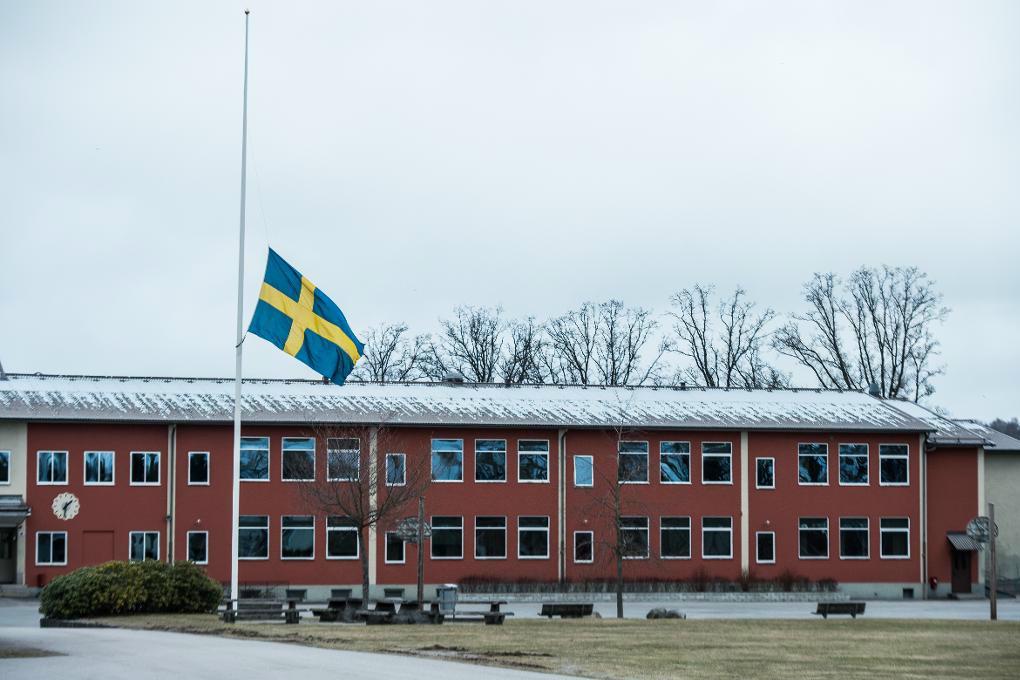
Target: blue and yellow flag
[{"x": 298, "y": 318}]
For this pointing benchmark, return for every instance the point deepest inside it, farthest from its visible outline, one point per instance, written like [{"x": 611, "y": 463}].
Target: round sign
[
  {"x": 978, "y": 529},
  {"x": 407, "y": 530}
]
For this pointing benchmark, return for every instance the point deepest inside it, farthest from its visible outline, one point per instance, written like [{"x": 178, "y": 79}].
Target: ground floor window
[
  {"x": 394, "y": 548},
  {"x": 814, "y": 538},
  {"x": 447, "y": 537},
  {"x": 895, "y": 537},
  {"x": 532, "y": 537},
  {"x": 765, "y": 547},
  {"x": 490, "y": 538},
  {"x": 717, "y": 537},
  {"x": 253, "y": 537},
  {"x": 341, "y": 538},
  {"x": 144, "y": 545},
  {"x": 675, "y": 537},
  {"x": 634, "y": 537},
  {"x": 584, "y": 547},
  {"x": 198, "y": 547},
  {"x": 50, "y": 548},
  {"x": 853, "y": 538},
  {"x": 297, "y": 537}
]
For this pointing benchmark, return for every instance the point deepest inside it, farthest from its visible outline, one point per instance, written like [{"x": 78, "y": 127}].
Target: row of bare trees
[{"x": 875, "y": 327}]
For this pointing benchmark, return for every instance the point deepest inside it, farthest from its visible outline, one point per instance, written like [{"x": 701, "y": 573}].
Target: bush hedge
[{"x": 130, "y": 588}]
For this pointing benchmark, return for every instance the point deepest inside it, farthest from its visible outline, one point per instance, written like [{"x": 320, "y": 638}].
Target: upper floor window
[
  {"x": 584, "y": 471},
  {"x": 853, "y": 464},
  {"x": 396, "y": 469},
  {"x": 893, "y": 464},
  {"x": 632, "y": 465},
  {"x": 675, "y": 462},
  {"x": 343, "y": 459},
  {"x": 5, "y": 467},
  {"x": 144, "y": 545},
  {"x": 255, "y": 459},
  {"x": 198, "y": 468},
  {"x": 99, "y": 467},
  {"x": 813, "y": 463},
  {"x": 765, "y": 473},
  {"x": 717, "y": 463},
  {"x": 490, "y": 460},
  {"x": 145, "y": 467},
  {"x": 533, "y": 460},
  {"x": 297, "y": 459},
  {"x": 447, "y": 460},
  {"x": 51, "y": 467}
]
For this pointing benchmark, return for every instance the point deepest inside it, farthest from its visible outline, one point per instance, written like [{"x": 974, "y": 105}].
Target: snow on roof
[
  {"x": 95, "y": 398},
  {"x": 944, "y": 432},
  {"x": 996, "y": 441}
]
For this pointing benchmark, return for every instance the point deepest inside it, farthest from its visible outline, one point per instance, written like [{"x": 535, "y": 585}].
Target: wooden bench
[
  {"x": 851, "y": 609},
  {"x": 567, "y": 610},
  {"x": 493, "y": 616},
  {"x": 339, "y": 609},
  {"x": 261, "y": 610}
]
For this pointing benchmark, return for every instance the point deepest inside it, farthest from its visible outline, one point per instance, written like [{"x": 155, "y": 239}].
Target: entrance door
[
  {"x": 8, "y": 555},
  {"x": 961, "y": 571},
  {"x": 96, "y": 547}
]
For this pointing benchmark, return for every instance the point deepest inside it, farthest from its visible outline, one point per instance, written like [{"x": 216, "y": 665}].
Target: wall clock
[{"x": 66, "y": 506}]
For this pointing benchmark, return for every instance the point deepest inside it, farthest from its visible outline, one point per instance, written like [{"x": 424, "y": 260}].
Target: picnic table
[
  {"x": 493, "y": 616},
  {"x": 567, "y": 610},
  {"x": 339, "y": 609}
]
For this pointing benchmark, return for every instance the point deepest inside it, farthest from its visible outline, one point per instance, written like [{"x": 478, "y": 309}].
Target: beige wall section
[
  {"x": 14, "y": 438},
  {"x": 1002, "y": 481}
]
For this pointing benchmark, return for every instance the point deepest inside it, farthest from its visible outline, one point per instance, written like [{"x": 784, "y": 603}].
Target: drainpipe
[
  {"x": 923, "y": 463},
  {"x": 561, "y": 501},
  {"x": 171, "y": 490}
]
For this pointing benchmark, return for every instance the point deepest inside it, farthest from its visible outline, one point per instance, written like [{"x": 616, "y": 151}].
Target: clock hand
[{"x": 66, "y": 505}]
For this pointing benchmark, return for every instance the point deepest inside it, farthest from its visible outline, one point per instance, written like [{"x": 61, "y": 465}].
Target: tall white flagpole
[{"x": 236, "y": 492}]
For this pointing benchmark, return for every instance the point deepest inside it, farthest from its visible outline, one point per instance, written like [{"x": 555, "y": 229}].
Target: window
[
  {"x": 814, "y": 538},
  {"x": 532, "y": 538},
  {"x": 297, "y": 537},
  {"x": 632, "y": 465},
  {"x": 145, "y": 468},
  {"x": 765, "y": 547},
  {"x": 766, "y": 473},
  {"x": 198, "y": 468},
  {"x": 99, "y": 468},
  {"x": 490, "y": 460},
  {"x": 447, "y": 538},
  {"x": 853, "y": 538},
  {"x": 584, "y": 547},
  {"x": 893, "y": 464},
  {"x": 52, "y": 467},
  {"x": 634, "y": 537},
  {"x": 447, "y": 460},
  {"x": 5, "y": 467},
  {"x": 394, "y": 548},
  {"x": 675, "y": 462},
  {"x": 50, "y": 548},
  {"x": 853, "y": 464},
  {"x": 144, "y": 545},
  {"x": 675, "y": 537},
  {"x": 813, "y": 463},
  {"x": 716, "y": 538},
  {"x": 396, "y": 469},
  {"x": 341, "y": 539},
  {"x": 895, "y": 543},
  {"x": 490, "y": 538},
  {"x": 297, "y": 459},
  {"x": 255, "y": 459},
  {"x": 584, "y": 471},
  {"x": 198, "y": 547},
  {"x": 716, "y": 463},
  {"x": 532, "y": 460},
  {"x": 343, "y": 459},
  {"x": 253, "y": 537}
]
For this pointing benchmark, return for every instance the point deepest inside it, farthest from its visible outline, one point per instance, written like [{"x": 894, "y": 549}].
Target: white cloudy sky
[{"x": 410, "y": 156}]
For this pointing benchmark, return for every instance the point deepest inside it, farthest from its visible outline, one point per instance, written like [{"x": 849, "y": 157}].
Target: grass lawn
[{"x": 608, "y": 648}]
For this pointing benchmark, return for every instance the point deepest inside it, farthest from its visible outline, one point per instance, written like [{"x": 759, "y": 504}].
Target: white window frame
[
  {"x": 187, "y": 545},
  {"x": 648, "y": 536},
  {"x": 144, "y": 537},
  {"x": 266, "y": 529},
  {"x": 357, "y": 542},
  {"x": 828, "y": 538},
  {"x": 905, "y": 456},
  {"x": 705, "y": 530},
  {"x": 592, "y": 560},
  {"x": 331, "y": 451},
  {"x": 648, "y": 460},
  {"x": 159, "y": 468},
  {"x": 403, "y": 469},
  {"x": 728, "y": 456},
  {"x": 867, "y": 533},
  {"x": 283, "y": 458},
  {"x": 591, "y": 465},
  {"x": 386, "y": 552},
  {"x": 839, "y": 465},
  {"x": 6, "y": 454},
  {"x": 828, "y": 467},
  {"x": 688, "y": 454},
  {"x": 506, "y": 531},
  {"x": 548, "y": 457},
  {"x": 881, "y": 530},
  {"x": 283, "y": 528},
  {"x": 432, "y": 522},
  {"x": 50, "y": 563},
  {"x": 85, "y": 468},
  {"x": 432, "y": 466},
  {"x": 757, "y": 559},
  {"x": 208, "y": 468},
  {"x": 548, "y": 536},
  {"x": 269, "y": 460},
  {"x": 506, "y": 462},
  {"x": 38, "y": 468},
  {"x": 690, "y": 537},
  {"x": 758, "y": 486}
]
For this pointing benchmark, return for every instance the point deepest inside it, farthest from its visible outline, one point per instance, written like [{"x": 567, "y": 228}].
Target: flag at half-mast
[{"x": 298, "y": 318}]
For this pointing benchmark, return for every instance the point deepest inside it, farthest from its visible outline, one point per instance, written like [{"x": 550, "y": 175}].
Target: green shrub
[{"x": 130, "y": 588}]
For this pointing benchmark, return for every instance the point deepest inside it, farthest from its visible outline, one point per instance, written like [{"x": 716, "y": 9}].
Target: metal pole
[
  {"x": 421, "y": 553},
  {"x": 235, "y": 509},
  {"x": 993, "y": 599}
]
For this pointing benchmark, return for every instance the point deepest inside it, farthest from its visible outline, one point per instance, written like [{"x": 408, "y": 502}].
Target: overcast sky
[{"x": 408, "y": 157}]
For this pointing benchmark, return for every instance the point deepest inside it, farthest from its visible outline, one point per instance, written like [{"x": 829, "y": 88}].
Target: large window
[
  {"x": 51, "y": 467},
  {"x": 297, "y": 460},
  {"x": 632, "y": 466},
  {"x": 198, "y": 547},
  {"x": 765, "y": 547},
  {"x": 255, "y": 459},
  {"x": 813, "y": 463},
  {"x": 394, "y": 548},
  {"x": 447, "y": 538},
  {"x": 297, "y": 537},
  {"x": 584, "y": 471},
  {"x": 144, "y": 545},
  {"x": 532, "y": 538},
  {"x": 99, "y": 468},
  {"x": 675, "y": 462},
  {"x": 895, "y": 543},
  {"x": 341, "y": 539},
  {"x": 490, "y": 460},
  {"x": 145, "y": 468},
  {"x": 634, "y": 537},
  {"x": 584, "y": 547},
  {"x": 853, "y": 464},
  {"x": 717, "y": 463},
  {"x": 716, "y": 538},
  {"x": 396, "y": 469},
  {"x": 198, "y": 468},
  {"x": 343, "y": 459},
  {"x": 490, "y": 538},
  {"x": 853, "y": 538},
  {"x": 765, "y": 473},
  {"x": 893, "y": 465},
  {"x": 447, "y": 460},
  {"x": 5, "y": 467},
  {"x": 50, "y": 548},
  {"x": 533, "y": 460},
  {"x": 814, "y": 538},
  {"x": 253, "y": 537},
  {"x": 675, "y": 537}
]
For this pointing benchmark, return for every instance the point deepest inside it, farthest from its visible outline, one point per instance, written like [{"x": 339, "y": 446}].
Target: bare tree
[
  {"x": 876, "y": 328},
  {"x": 391, "y": 355},
  {"x": 471, "y": 343},
  {"x": 725, "y": 341},
  {"x": 572, "y": 339},
  {"x": 1010, "y": 427},
  {"x": 523, "y": 361}
]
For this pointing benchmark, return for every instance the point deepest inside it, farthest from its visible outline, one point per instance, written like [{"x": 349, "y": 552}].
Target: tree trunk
[
  {"x": 619, "y": 586},
  {"x": 363, "y": 549}
]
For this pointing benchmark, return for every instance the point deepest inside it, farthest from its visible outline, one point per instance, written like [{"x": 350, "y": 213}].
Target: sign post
[{"x": 416, "y": 530}]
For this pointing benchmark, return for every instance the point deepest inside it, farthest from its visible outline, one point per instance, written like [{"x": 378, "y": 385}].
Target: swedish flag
[{"x": 298, "y": 318}]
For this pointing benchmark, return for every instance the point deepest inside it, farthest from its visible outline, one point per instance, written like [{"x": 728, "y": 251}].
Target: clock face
[{"x": 66, "y": 506}]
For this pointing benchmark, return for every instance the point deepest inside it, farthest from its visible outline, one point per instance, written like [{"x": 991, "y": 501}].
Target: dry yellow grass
[{"x": 610, "y": 648}]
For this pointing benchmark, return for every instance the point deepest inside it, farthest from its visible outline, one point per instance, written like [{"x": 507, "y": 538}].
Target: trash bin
[{"x": 447, "y": 596}]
